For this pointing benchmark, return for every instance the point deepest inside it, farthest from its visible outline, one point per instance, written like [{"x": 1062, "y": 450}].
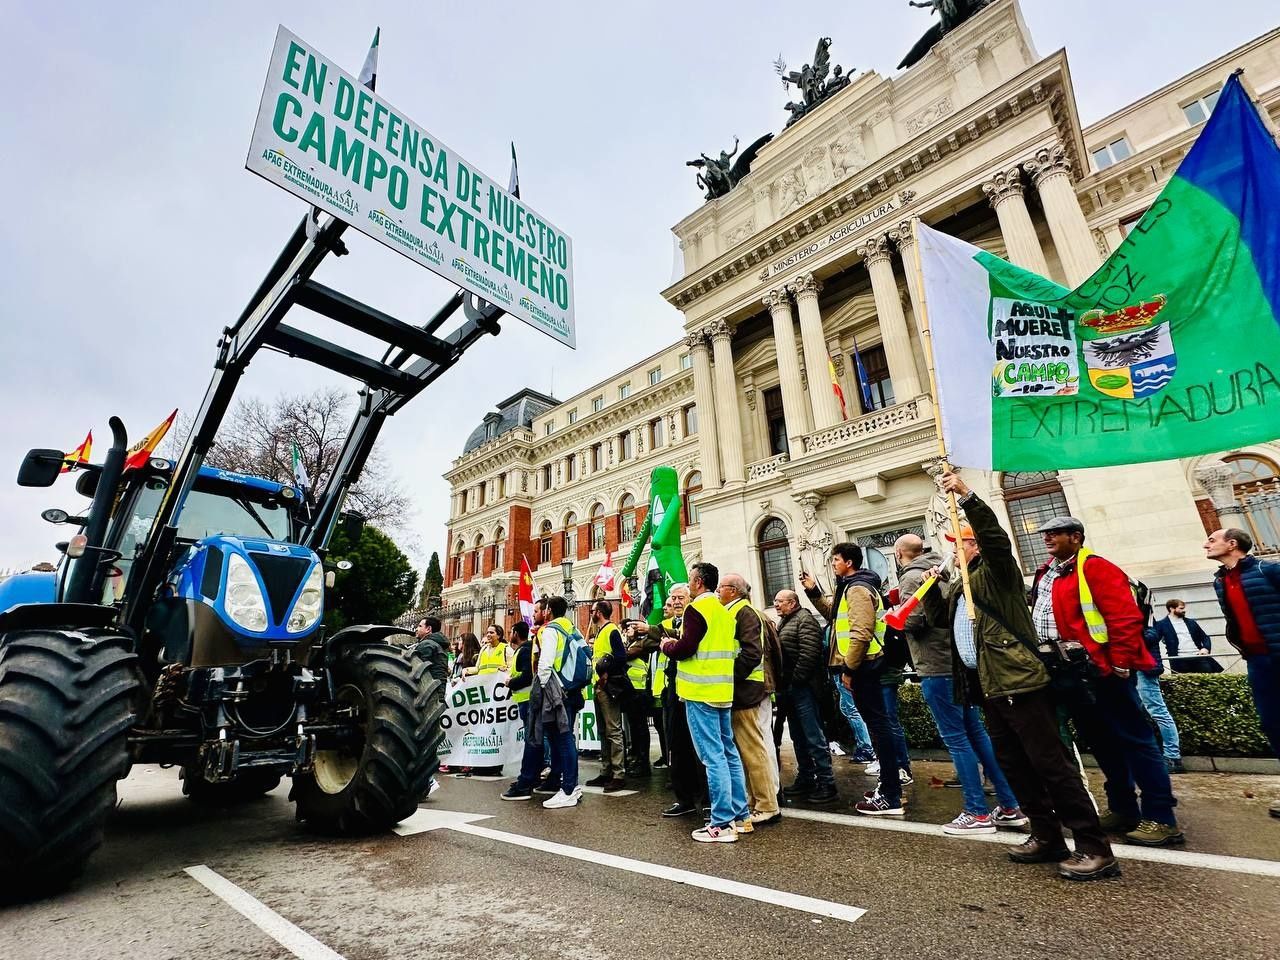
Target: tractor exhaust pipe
[{"x": 85, "y": 585}]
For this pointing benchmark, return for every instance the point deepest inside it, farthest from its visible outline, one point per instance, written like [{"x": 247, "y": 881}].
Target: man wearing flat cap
[{"x": 1079, "y": 599}]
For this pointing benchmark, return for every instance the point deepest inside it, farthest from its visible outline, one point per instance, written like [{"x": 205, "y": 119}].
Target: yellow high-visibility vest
[
  {"x": 602, "y": 645},
  {"x": 842, "y": 626},
  {"x": 758, "y": 673},
  {"x": 658, "y": 665},
  {"x": 492, "y": 658},
  {"x": 522, "y": 695},
  {"x": 1092, "y": 617},
  {"x": 707, "y": 676},
  {"x": 638, "y": 673}
]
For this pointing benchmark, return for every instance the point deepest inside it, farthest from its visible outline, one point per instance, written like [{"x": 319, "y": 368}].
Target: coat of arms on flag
[{"x": 1139, "y": 359}]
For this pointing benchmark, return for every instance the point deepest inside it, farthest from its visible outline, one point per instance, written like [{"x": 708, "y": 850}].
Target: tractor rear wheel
[
  {"x": 394, "y": 707},
  {"x": 248, "y": 785},
  {"x": 67, "y": 701}
]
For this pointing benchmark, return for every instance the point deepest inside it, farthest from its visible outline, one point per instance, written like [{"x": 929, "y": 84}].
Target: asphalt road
[{"x": 479, "y": 889}]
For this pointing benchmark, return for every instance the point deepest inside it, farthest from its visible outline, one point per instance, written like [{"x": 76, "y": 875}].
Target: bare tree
[{"x": 257, "y": 438}]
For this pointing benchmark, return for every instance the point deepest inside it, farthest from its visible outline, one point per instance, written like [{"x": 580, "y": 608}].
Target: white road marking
[
  {"x": 296, "y": 941},
  {"x": 425, "y": 820},
  {"x": 599, "y": 791},
  {"x": 1181, "y": 858}
]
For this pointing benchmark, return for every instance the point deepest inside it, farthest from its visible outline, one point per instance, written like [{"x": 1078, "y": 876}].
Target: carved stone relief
[
  {"x": 848, "y": 154},
  {"x": 928, "y": 116},
  {"x": 791, "y": 191}
]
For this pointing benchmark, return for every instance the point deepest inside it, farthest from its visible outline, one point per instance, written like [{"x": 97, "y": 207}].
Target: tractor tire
[
  {"x": 377, "y": 783},
  {"x": 248, "y": 785},
  {"x": 67, "y": 701}
]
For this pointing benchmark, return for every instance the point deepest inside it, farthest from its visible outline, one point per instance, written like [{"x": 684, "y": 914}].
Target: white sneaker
[
  {"x": 835, "y": 749},
  {"x": 561, "y": 799},
  {"x": 968, "y": 824},
  {"x": 905, "y": 778},
  {"x": 435, "y": 785},
  {"x": 577, "y": 792},
  {"x": 872, "y": 769}
]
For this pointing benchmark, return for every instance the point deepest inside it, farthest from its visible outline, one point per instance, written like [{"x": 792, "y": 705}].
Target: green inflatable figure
[{"x": 662, "y": 529}]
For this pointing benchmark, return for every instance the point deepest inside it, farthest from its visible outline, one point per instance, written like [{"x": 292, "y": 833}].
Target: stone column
[
  {"x": 1050, "y": 170},
  {"x": 826, "y": 411},
  {"x": 726, "y": 393},
  {"x": 906, "y": 241},
  {"x": 1004, "y": 191},
  {"x": 1218, "y": 482},
  {"x": 794, "y": 408},
  {"x": 704, "y": 402},
  {"x": 893, "y": 322}
]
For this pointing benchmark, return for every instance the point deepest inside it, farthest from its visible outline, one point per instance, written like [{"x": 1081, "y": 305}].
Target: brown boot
[
  {"x": 1035, "y": 850},
  {"x": 1088, "y": 866}
]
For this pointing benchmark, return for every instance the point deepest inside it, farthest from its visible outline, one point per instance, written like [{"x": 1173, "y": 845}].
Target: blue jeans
[
  {"x": 1153, "y": 702},
  {"x": 966, "y": 740},
  {"x": 890, "y": 694},
  {"x": 813, "y": 757},
  {"x": 861, "y": 735},
  {"x": 534, "y": 758},
  {"x": 1118, "y": 732},
  {"x": 712, "y": 732},
  {"x": 564, "y": 754},
  {"x": 1264, "y": 682}
]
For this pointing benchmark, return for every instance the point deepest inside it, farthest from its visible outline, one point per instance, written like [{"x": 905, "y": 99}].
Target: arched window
[
  {"x": 456, "y": 562},
  {"x": 627, "y": 509},
  {"x": 571, "y": 535},
  {"x": 775, "y": 560},
  {"x": 499, "y": 548},
  {"x": 597, "y": 527},
  {"x": 544, "y": 542},
  {"x": 1033, "y": 498},
  {"x": 1257, "y": 489},
  {"x": 692, "y": 487},
  {"x": 477, "y": 556}
]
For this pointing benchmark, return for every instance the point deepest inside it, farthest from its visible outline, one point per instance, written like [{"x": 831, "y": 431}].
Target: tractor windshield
[{"x": 232, "y": 510}]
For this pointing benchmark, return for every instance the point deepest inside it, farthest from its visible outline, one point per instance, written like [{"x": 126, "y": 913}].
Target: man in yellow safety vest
[
  {"x": 612, "y": 693},
  {"x": 857, "y": 661},
  {"x": 705, "y": 655},
  {"x": 753, "y": 685},
  {"x": 1084, "y": 601}
]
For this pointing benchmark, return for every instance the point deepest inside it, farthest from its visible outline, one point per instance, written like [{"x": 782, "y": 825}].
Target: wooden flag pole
[{"x": 952, "y": 508}]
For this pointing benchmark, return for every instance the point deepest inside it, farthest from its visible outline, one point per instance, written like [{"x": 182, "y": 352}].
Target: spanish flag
[
  {"x": 144, "y": 449},
  {"x": 525, "y": 592},
  {"x": 79, "y": 455},
  {"x": 835, "y": 388}
]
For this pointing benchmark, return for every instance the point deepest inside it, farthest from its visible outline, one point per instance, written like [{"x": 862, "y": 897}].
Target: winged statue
[
  {"x": 811, "y": 76},
  {"x": 951, "y": 13},
  {"x": 720, "y": 175}
]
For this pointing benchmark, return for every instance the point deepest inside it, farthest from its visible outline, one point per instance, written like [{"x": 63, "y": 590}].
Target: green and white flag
[{"x": 300, "y": 477}]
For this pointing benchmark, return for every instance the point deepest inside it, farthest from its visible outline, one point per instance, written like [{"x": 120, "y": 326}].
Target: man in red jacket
[{"x": 1097, "y": 612}]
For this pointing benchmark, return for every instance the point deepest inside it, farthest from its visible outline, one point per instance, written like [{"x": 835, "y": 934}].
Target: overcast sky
[{"x": 132, "y": 233}]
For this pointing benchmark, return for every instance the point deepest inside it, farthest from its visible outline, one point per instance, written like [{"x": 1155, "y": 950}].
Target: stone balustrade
[
  {"x": 910, "y": 413},
  {"x": 764, "y": 469}
]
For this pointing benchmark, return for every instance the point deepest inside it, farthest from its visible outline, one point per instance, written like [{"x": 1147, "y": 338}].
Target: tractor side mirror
[
  {"x": 352, "y": 526},
  {"x": 40, "y": 468},
  {"x": 87, "y": 484}
]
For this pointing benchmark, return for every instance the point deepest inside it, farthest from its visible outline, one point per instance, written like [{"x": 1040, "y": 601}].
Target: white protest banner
[
  {"x": 325, "y": 138},
  {"x": 481, "y": 725}
]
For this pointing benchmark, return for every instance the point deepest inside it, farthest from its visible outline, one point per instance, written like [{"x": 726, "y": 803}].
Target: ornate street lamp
[{"x": 566, "y": 571}]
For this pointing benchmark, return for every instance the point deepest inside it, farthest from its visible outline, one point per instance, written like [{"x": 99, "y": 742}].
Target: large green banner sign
[{"x": 336, "y": 144}]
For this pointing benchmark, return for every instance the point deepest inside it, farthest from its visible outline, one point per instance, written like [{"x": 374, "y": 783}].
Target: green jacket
[{"x": 1005, "y": 664}]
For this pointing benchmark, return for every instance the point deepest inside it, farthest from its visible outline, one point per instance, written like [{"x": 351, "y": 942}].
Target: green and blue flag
[{"x": 1171, "y": 349}]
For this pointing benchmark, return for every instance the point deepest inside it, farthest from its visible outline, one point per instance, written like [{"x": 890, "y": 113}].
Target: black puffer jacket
[{"x": 800, "y": 636}]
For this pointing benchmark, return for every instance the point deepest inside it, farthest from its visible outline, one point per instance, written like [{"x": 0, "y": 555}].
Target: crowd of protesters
[{"x": 1012, "y": 678}]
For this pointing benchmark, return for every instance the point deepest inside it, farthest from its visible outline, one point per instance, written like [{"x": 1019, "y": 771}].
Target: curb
[{"x": 1255, "y": 765}]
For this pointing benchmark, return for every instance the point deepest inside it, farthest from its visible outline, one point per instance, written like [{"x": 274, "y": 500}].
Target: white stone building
[{"x": 808, "y": 260}]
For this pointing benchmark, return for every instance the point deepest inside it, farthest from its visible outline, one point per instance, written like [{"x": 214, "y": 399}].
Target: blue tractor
[{"x": 184, "y": 625}]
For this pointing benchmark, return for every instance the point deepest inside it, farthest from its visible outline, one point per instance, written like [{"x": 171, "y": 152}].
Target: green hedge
[{"x": 1214, "y": 714}]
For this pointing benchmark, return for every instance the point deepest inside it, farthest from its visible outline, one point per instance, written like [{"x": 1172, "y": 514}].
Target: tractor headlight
[
  {"x": 310, "y": 603},
  {"x": 244, "y": 602}
]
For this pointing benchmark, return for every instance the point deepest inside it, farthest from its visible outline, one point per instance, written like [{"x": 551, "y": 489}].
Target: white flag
[{"x": 369, "y": 72}]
